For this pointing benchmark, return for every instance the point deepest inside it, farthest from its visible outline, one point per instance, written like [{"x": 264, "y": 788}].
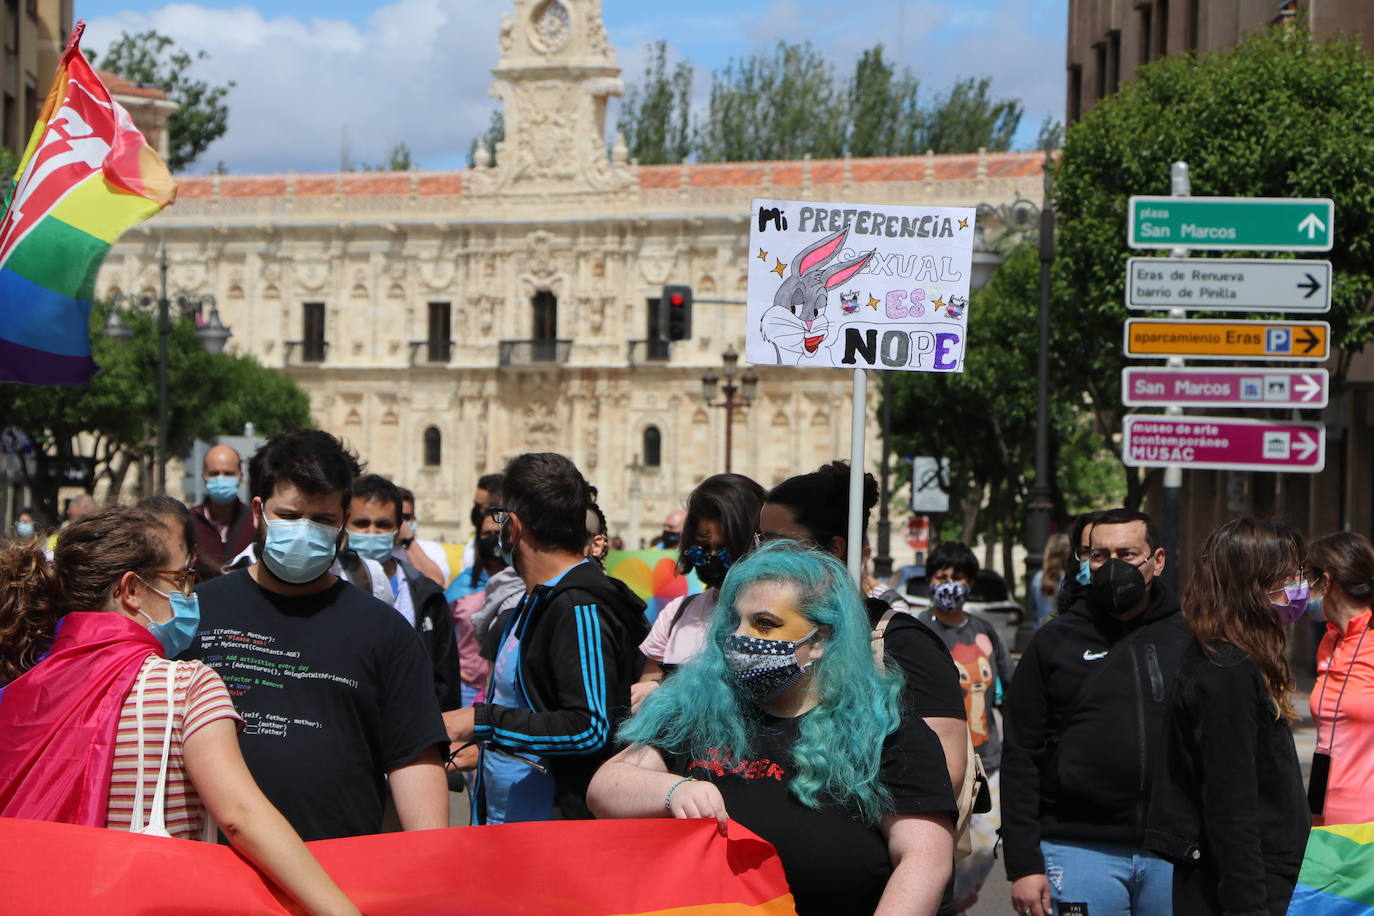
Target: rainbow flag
[
  {"x": 1337, "y": 877},
  {"x": 655, "y": 867},
  {"x": 86, "y": 177}
]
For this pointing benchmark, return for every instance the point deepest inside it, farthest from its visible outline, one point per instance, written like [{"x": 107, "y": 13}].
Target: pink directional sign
[
  {"x": 1154, "y": 386},
  {"x": 1223, "y": 443}
]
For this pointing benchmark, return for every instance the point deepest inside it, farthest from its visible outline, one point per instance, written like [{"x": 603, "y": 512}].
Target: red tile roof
[{"x": 789, "y": 174}]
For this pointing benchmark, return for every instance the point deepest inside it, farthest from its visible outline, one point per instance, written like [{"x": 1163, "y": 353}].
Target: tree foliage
[
  {"x": 656, "y": 114},
  {"x": 398, "y": 159},
  {"x": 1276, "y": 116},
  {"x": 108, "y": 429},
  {"x": 983, "y": 419},
  {"x": 886, "y": 117},
  {"x": 201, "y": 118},
  {"x": 495, "y": 133}
]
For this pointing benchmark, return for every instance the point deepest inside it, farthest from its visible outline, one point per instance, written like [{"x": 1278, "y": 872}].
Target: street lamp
[
  {"x": 746, "y": 389},
  {"x": 985, "y": 261},
  {"x": 211, "y": 333}
]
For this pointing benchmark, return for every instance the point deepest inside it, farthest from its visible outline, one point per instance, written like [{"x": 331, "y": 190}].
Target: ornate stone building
[{"x": 443, "y": 322}]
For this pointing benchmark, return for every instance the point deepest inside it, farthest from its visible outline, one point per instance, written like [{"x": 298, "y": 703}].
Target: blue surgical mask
[
  {"x": 372, "y": 546},
  {"x": 222, "y": 489},
  {"x": 24, "y": 529},
  {"x": 177, "y": 633},
  {"x": 1085, "y": 573},
  {"x": 298, "y": 550}
]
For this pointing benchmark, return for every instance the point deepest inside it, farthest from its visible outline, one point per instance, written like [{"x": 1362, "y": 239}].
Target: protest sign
[{"x": 858, "y": 286}]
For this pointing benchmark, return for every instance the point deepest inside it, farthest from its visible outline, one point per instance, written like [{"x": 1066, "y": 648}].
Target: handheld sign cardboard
[{"x": 858, "y": 286}]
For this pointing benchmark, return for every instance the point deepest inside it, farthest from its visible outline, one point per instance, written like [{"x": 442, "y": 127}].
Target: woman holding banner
[
  {"x": 783, "y": 723},
  {"x": 1341, "y": 567},
  {"x": 94, "y": 719}
]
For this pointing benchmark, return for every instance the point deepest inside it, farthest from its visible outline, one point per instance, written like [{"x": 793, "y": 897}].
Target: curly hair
[
  {"x": 839, "y": 748},
  {"x": 91, "y": 555},
  {"x": 1227, "y": 598}
]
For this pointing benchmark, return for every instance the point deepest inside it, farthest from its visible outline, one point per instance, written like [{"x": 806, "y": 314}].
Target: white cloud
[{"x": 417, "y": 72}]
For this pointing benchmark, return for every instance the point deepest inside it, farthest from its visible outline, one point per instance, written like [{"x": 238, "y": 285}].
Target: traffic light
[{"x": 675, "y": 312}]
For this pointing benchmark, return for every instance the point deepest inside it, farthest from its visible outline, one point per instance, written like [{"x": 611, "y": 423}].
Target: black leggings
[{"x": 1195, "y": 892}]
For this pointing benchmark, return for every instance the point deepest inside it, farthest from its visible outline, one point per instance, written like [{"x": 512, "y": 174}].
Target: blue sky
[{"x": 311, "y": 72}]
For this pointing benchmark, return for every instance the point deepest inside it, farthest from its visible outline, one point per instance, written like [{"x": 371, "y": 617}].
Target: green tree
[
  {"x": 967, "y": 117},
  {"x": 107, "y": 429},
  {"x": 1276, "y": 116},
  {"x": 884, "y": 112},
  {"x": 9, "y": 161},
  {"x": 202, "y": 117},
  {"x": 398, "y": 159},
  {"x": 782, "y": 104},
  {"x": 983, "y": 419},
  {"x": 656, "y": 115},
  {"x": 495, "y": 133}
]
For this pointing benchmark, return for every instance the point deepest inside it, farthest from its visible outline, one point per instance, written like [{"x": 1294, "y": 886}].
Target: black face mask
[
  {"x": 489, "y": 547},
  {"x": 670, "y": 539},
  {"x": 1117, "y": 588}
]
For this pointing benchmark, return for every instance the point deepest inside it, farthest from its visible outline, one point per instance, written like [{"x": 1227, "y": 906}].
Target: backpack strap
[{"x": 682, "y": 609}]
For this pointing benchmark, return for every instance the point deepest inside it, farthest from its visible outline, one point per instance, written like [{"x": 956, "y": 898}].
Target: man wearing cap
[
  {"x": 221, "y": 523},
  {"x": 1084, "y": 733}
]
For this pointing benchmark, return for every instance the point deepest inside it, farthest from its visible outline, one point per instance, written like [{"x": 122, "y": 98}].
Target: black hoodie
[
  {"x": 579, "y": 654},
  {"x": 1076, "y": 764}
]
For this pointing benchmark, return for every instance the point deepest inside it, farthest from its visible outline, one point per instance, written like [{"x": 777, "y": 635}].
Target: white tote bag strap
[{"x": 157, "y": 821}]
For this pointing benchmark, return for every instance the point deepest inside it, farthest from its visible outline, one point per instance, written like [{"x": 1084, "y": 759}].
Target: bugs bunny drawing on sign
[{"x": 796, "y": 323}]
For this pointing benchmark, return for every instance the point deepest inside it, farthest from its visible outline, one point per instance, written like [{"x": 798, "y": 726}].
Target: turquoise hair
[{"x": 839, "y": 748}]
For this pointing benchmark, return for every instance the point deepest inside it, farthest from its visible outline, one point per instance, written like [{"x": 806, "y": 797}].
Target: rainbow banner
[
  {"x": 1337, "y": 877},
  {"x": 658, "y": 866},
  {"x": 86, "y": 177},
  {"x": 653, "y": 576}
]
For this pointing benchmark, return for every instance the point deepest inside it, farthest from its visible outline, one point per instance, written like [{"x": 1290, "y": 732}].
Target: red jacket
[{"x": 212, "y": 552}]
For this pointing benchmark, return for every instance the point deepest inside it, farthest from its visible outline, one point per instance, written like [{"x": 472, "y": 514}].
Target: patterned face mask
[
  {"x": 949, "y": 596},
  {"x": 765, "y": 668}
]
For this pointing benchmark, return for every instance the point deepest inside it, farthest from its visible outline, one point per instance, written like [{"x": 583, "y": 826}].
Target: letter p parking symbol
[{"x": 1278, "y": 340}]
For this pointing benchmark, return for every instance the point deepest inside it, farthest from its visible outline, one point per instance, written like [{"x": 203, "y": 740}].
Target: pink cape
[{"x": 59, "y": 719}]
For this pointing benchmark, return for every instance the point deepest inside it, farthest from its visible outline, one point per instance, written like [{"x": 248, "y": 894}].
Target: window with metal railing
[{"x": 312, "y": 333}]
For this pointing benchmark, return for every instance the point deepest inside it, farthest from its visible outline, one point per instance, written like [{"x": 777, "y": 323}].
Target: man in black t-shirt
[{"x": 334, "y": 687}]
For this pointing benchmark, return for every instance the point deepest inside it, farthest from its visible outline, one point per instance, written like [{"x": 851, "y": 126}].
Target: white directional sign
[
  {"x": 928, "y": 478},
  {"x": 1161, "y": 386},
  {"x": 1228, "y": 284}
]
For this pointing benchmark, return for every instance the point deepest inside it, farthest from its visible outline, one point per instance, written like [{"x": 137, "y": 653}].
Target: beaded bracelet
[{"x": 668, "y": 798}]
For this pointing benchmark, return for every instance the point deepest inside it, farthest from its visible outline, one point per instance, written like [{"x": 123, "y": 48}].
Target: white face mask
[{"x": 298, "y": 550}]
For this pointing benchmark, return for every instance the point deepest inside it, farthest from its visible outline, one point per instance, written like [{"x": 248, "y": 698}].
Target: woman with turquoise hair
[{"x": 785, "y": 724}]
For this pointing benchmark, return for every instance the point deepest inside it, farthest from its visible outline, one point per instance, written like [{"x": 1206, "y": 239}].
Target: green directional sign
[{"x": 1232, "y": 223}]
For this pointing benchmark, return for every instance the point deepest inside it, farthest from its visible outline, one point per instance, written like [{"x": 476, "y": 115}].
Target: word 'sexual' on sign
[
  {"x": 1228, "y": 340},
  {"x": 1245, "y": 388},
  {"x": 1228, "y": 284},
  {"x": 1232, "y": 223},
  {"x": 855, "y": 286},
  {"x": 1223, "y": 443}
]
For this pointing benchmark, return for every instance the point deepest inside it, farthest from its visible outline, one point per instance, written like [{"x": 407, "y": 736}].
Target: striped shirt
[{"x": 200, "y": 699}]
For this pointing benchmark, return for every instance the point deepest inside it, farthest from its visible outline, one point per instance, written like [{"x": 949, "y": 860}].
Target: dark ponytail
[{"x": 820, "y": 501}]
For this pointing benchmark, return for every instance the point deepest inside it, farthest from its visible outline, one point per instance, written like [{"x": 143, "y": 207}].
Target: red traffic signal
[{"x": 675, "y": 313}]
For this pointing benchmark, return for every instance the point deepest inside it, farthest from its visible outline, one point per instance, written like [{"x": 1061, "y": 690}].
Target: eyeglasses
[
  {"x": 183, "y": 580},
  {"x": 1083, "y": 553},
  {"x": 498, "y": 514},
  {"x": 1127, "y": 554}
]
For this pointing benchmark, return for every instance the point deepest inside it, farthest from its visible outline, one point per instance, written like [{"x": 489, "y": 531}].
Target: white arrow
[
  {"x": 1311, "y": 225},
  {"x": 1309, "y": 388},
  {"x": 1306, "y": 445}
]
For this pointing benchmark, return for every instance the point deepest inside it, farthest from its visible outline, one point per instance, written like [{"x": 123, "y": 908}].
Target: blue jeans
[{"x": 1111, "y": 879}]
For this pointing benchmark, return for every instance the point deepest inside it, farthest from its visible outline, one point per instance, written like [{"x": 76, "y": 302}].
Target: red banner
[{"x": 580, "y": 868}]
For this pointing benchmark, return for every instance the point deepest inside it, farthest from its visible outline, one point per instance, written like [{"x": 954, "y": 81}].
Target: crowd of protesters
[{"x": 310, "y": 668}]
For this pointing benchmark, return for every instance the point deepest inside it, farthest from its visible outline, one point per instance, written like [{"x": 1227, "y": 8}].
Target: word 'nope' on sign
[{"x": 858, "y": 286}]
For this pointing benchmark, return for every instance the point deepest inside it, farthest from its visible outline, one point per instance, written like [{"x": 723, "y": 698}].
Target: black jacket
[
  {"x": 579, "y": 654},
  {"x": 1084, "y": 728},
  {"x": 434, "y": 623},
  {"x": 1229, "y": 797}
]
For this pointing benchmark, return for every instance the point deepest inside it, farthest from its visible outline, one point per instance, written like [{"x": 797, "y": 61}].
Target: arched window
[
  {"x": 434, "y": 447},
  {"x": 653, "y": 447}
]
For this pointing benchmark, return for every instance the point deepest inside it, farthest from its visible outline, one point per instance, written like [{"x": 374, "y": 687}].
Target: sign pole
[
  {"x": 854, "y": 536},
  {"x": 1180, "y": 186}
]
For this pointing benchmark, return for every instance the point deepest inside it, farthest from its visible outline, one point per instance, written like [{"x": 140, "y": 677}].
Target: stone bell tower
[{"x": 556, "y": 75}]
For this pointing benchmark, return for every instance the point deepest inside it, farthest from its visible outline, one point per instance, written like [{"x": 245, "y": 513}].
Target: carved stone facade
[{"x": 546, "y": 261}]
